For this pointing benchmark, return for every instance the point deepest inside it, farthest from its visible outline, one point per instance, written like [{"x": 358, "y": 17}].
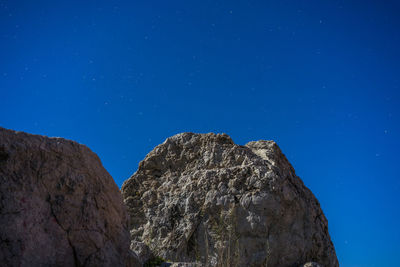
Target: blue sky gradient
[{"x": 321, "y": 78}]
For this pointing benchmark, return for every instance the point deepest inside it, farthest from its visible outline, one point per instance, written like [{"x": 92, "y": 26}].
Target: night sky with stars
[{"x": 321, "y": 78}]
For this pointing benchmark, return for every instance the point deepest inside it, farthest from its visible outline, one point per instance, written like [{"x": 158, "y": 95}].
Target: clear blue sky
[{"x": 319, "y": 77}]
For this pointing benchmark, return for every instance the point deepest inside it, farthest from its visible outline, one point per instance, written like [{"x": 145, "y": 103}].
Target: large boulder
[
  {"x": 202, "y": 198},
  {"x": 58, "y": 205}
]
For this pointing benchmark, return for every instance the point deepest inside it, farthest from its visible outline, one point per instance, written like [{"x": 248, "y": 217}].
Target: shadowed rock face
[
  {"x": 58, "y": 205},
  {"x": 201, "y": 198}
]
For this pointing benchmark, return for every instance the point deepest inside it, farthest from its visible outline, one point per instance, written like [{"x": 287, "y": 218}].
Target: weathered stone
[
  {"x": 142, "y": 251},
  {"x": 185, "y": 264},
  {"x": 181, "y": 264},
  {"x": 200, "y": 197},
  {"x": 311, "y": 264},
  {"x": 58, "y": 205}
]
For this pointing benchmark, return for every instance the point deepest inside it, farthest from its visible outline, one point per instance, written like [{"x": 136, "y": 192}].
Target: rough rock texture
[
  {"x": 184, "y": 264},
  {"x": 311, "y": 264},
  {"x": 58, "y": 205},
  {"x": 200, "y": 197},
  {"x": 142, "y": 251}
]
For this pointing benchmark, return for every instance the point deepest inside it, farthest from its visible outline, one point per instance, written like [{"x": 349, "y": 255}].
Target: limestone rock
[
  {"x": 202, "y": 198},
  {"x": 58, "y": 205},
  {"x": 311, "y": 264},
  {"x": 142, "y": 251},
  {"x": 185, "y": 264}
]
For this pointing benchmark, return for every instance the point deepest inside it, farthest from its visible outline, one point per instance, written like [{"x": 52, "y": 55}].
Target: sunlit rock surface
[
  {"x": 202, "y": 198},
  {"x": 58, "y": 205}
]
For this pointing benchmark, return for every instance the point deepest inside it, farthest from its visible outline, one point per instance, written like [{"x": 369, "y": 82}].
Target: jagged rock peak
[
  {"x": 58, "y": 205},
  {"x": 201, "y": 198}
]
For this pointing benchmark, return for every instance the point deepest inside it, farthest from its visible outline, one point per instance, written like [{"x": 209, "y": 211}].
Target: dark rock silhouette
[{"x": 58, "y": 205}]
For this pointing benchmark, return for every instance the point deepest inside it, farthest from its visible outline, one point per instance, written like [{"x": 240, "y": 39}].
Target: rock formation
[
  {"x": 202, "y": 198},
  {"x": 58, "y": 205}
]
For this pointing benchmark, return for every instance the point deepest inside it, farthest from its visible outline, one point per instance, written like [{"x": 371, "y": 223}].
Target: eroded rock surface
[
  {"x": 58, "y": 205},
  {"x": 202, "y": 198}
]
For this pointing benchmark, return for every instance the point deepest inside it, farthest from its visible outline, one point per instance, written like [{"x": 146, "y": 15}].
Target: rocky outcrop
[
  {"x": 58, "y": 205},
  {"x": 202, "y": 198}
]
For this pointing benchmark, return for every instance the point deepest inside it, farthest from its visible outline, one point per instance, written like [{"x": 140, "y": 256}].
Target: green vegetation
[
  {"x": 227, "y": 239},
  {"x": 153, "y": 262}
]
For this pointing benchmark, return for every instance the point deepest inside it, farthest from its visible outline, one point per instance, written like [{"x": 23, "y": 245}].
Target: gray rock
[
  {"x": 202, "y": 198},
  {"x": 185, "y": 264},
  {"x": 142, "y": 251},
  {"x": 311, "y": 264},
  {"x": 58, "y": 205},
  {"x": 181, "y": 264}
]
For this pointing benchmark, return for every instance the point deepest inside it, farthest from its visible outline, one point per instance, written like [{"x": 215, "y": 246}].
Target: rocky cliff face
[
  {"x": 202, "y": 198},
  {"x": 58, "y": 205}
]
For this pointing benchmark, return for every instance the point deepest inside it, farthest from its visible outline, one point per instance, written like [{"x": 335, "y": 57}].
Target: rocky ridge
[
  {"x": 201, "y": 198},
  {"x": 58, "y": 205},
  {"x": 196, "y": 199}
]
